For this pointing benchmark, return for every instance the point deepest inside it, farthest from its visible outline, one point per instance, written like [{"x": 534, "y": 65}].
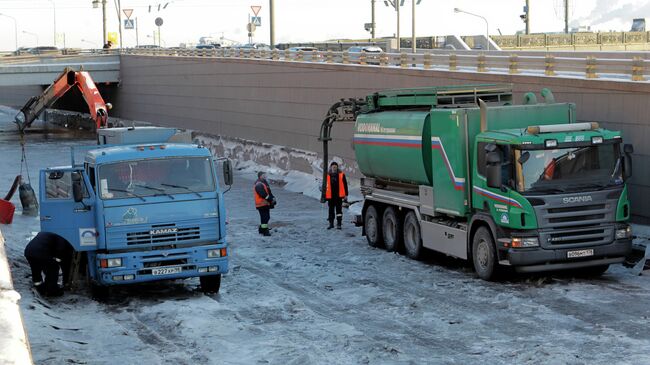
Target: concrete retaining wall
[
  {"x": 283, "y": 103},
  {"x": 14, "y": 347}
]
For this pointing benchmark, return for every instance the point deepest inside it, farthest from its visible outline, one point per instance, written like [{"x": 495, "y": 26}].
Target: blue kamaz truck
[{"x": 139, "y": 207}]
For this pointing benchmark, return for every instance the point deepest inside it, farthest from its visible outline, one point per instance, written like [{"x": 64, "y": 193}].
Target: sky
[{"x": 185, "y": 21}]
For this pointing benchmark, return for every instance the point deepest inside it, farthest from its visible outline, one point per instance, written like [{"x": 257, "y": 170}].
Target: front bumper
[
  {"x": 541, "y": 259},
  {"x": 190, "y": 261}
]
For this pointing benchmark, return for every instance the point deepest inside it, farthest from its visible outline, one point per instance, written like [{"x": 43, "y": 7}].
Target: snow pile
[
  {"x": 14, "y": 348},
  {"x": 295, "y": 170}
]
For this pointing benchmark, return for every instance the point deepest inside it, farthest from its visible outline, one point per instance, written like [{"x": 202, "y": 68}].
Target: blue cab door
[{"x": 60, "y": 214}]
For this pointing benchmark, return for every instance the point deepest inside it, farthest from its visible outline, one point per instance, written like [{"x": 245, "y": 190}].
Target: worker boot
[
  {"x": 259, "y": 229},
  {"x": 331, "y": 225},
  {"x": 266, "y": 232},
  {"x": 338, "y": 225}
]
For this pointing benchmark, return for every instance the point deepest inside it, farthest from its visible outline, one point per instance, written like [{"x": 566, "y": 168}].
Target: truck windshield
[
  {"x": 155, "y": 177},
  {"x": 568, "y": 169}
]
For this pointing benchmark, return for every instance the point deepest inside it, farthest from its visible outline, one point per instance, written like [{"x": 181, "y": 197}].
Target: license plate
[
  {"x": 166, "y": 271},
  {"x": 580, "y": 253}
]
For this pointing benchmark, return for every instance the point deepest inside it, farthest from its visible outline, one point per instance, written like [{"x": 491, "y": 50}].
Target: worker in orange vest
[
  {"x": 264, "y": 202},
  {"x": 336, "y": 191}
]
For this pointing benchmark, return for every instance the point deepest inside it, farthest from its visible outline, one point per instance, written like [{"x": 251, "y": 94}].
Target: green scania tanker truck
[{"x": 464, "y": 171}]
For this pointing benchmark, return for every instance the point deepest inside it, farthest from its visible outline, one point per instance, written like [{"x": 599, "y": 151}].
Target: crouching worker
[
  {"x": 46, "y": 254},
  {"x": 264, "y": 202},
  {"x": 336, "y": 191}
]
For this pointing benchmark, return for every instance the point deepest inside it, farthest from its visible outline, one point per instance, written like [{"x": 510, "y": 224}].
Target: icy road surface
[{"x": 307, "y": 295}]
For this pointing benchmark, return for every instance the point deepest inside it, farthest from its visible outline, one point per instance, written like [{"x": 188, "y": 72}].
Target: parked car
[
  {"x": 208, "y": 46},
  {"x": 309, "y": 53},
  {"x": 44, "y": 50},
  {"x": 372, "y": 53}
]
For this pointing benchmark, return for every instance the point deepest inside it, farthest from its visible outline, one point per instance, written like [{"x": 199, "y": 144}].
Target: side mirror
[
  {"x": 628, "y": 148},
  {"x": 77, "y": 188},
  {"x": 228, "y": 172},
  {"x": 524, "y": 157},
  {"x": 493, "y": 170},
  {"x": 627, "y": 166}
]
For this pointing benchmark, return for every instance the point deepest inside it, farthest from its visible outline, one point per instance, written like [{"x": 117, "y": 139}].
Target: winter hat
[
  {"x": 334, "y": 164},
  {"x": 260, "y": 173}
]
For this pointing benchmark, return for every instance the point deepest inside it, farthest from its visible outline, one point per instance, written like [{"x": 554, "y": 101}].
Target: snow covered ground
[{"x": 308, "y": 295}]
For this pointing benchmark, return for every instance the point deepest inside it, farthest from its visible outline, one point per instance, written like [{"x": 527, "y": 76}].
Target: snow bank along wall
[{"x": 14, "y": 348}]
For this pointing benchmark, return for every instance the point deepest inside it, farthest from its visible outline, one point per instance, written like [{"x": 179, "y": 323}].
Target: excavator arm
[{"x": 66, "y": 81}]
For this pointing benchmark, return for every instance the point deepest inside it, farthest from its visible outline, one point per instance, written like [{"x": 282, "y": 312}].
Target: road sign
[
  {"x": 256, "y": 9},
  {"x": 159, "y": 21},
  {"x": 112, "y": 36},
  {"x": 129, "y": 23},
  {"x": 257, "y": 20},
  {"x": 127, "y": 12},
  {"x": 250, "y": 27}
]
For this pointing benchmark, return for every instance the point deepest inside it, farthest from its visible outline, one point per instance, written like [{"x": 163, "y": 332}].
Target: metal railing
[
  {"x": 618, "y": 66},
  {"x": 561, "y": 64}
]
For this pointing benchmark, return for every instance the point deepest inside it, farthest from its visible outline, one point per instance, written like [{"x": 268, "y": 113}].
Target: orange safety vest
[
  {"x": 328, "y": 190},
  {"x": 259, "y": 200}
]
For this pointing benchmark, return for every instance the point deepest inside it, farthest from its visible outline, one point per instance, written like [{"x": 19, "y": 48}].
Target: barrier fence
[
  {"x": 608, "y": 65},
  {"x": 632, "y": 68}
]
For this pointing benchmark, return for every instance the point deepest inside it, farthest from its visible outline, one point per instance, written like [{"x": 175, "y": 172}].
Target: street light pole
[
  {"x": 527, "y": 16},
  {"x": 54, "y": 20},
  {"x": 413, "y": 45},
  {"x": 34, "y": 34},
  {"x": 399, "y": 45},
  {"x": 15, "y": 29},
  {"x": 272, "y": 23},
  {"x": 487, "y": 26},
  {"x": 372, "y": 27}
]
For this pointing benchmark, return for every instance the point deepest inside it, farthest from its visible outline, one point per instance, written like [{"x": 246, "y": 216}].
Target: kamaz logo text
[
  {"x": 577, "y": 199},
  {"x": 163, "y": 231}
]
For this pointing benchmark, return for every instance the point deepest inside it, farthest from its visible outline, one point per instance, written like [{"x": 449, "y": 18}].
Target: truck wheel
[
  {"x": 483, "y": 254},
  {"x": 392, "y": 230},
  {"x": 372, "y": 226},
  {"x": 210, "y": 284},
  {"x": 412, "y": 237}
]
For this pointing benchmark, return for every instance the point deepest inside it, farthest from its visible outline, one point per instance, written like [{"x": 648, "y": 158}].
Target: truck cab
[
  {"x": 556, "y": 193},
  {"x": 140, "y": 207}
]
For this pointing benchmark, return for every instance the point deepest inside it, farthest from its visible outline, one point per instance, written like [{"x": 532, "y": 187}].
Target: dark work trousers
[
  {"x": 48, "y": 267},
  {"x": 335, "y": 203},
  {"x": 265, "y": 216}
]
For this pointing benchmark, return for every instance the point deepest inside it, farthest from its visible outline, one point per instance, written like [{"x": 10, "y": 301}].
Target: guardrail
[
  {"x": 560, "y": 65},
  {"x": 619, "y": 66},
  {"x": 14, "y": 347}
]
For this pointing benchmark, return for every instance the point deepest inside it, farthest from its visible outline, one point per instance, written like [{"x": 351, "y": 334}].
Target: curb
[{"x": 14, "y": 345}]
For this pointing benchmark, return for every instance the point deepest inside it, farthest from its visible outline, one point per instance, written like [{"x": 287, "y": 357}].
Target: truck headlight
[
  {"x": 114, "y": 262},
  {"x": 525, "y": 242},
  {"x": 622, "y": 233},
  {"x": 104, "y": 263},
  {"x": 214, "y": 253},
  {"x": 218, "y": 252}
]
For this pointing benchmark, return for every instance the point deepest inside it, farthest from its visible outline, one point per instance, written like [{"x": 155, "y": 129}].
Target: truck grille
[
  {"x": 576, "y": 224},
  {"x": 577, "y": 215},
  {"x": 161, "y": 234},
  {"x": 584, "y": 236}
]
